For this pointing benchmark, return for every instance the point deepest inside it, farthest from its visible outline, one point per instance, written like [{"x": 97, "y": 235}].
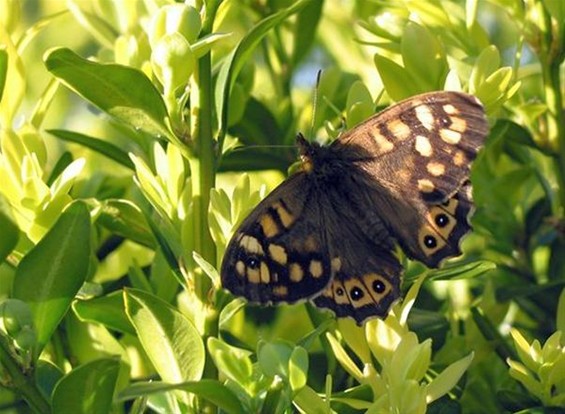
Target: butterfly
[{"x": 329, "y": 232}]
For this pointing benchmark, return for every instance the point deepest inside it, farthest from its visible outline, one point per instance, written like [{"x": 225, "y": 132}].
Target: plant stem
[
  {"x": 203, "y": 169},
  {"x": 203, "y": 165},
  {"x": 20, "y": 382},
  {"x": 555, "y": 124}
]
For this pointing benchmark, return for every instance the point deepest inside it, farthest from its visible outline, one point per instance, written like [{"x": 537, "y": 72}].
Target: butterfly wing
[
  {"x": 366, "y": 278},
  {"x": 279, "y": 253},
  {"x": 416, "y": 158}
]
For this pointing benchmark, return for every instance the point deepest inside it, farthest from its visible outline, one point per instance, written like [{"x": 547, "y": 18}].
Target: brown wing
[
  {"x": 279, "y": 253},
  {"x": 415, "y": 159},
  {"x": 367, "y": 276}
]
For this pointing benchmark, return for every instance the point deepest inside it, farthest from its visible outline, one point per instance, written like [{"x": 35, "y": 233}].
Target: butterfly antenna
[{"x": 315, "y": 102}]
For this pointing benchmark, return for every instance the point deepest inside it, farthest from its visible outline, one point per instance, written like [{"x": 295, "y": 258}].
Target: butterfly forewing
[
  {"x": 279, "y": 253},
  {"x": 417, "y": 155}
]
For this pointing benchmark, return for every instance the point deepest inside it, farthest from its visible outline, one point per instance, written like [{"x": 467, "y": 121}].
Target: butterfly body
[{"x": 328, "y": 232}]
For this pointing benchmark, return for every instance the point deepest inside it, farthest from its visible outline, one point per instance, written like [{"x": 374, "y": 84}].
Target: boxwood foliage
[{"x": 135, "y": 136}]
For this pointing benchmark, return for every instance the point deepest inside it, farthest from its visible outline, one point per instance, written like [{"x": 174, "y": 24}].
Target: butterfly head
[{"x": 319, "y": 161}]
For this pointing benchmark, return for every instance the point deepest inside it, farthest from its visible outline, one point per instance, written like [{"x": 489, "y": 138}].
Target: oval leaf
[
  {"x": 170, "y": 340},
  {"x": 87, "y": 389},
  {"x": 121, "y": 91},
  {"x": 51, "y": 274}
]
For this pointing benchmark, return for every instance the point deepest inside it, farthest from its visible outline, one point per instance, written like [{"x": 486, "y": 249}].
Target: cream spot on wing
[
  {"x": 265, "y": 274},
  {"x": 425, "y": 116},
  {"x": 268, "y": 225},
  {"x": 435, "y": 168},
  {"x": 403, "y": 175},
  {"x": 280, "y": 290},
  {"x": 251, "y": 245},
  {"x": 253, "y": 275},
  {"x": 425, "y": 186},
  {"x": 310, "y": 244},
  {"x": 295, "y": 272},
  {"x": 458, "y": 124},
  {"x": 316, "y": 269},
  {"x": 423, "y": 146},
  {"x": 449, "y": 136},
  {"x": 278, "y": 254},
  {"x": 450, "y": 109},
  {"x": 240, "y": 268},
  {"x": 459, "y": 158},
  {"x": 384, "y": 144},
  {"x": 336, "y": 264},
  {"x": 399, "y": 129},
  {"x": 286, "y": 218}
]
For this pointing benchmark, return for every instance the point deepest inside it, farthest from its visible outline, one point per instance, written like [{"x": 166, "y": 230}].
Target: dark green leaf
[
  {"x": 102, "y": 147},
  {"x": 491, "y": 334},
  {"x": 10, "y": 231},
  {"x": 211, "y": 390},
  {"x": 456, "y": 271},
  {"x": 63, "y": 162},
  {"x": 123, "y": 218},
  {"x": 47, "y": 375},
  {"x": 240, "y": 55},
  {"x": 121, "y": 91},
  {"x": 87, "y": 389},
  {"x": 305, "y": 30},
  {"x": 51, "y": 274},
  {"x": 107, "y": 310}
]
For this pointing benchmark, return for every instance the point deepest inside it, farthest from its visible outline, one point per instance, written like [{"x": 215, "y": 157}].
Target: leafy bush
[{"x": 151, "y": 128}]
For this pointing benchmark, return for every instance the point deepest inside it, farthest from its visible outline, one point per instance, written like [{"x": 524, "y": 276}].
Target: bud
[{"x": 175, "y": 18}]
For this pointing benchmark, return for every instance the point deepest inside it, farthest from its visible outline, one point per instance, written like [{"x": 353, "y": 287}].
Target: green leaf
[
  {"x": 123, "y": 218},
  {"x": 211, "y": 390},
  {"x": 87, "y": 389},
  {"x": 10, "y": 231},
  {"x": 344, "y": 359},
  {"x": 458, "y": 271},
  {"x": 305, "y": 30},
  {"x": 207, "y": 268},
  {"x": 121, "y": 91},
  {"x": 298, "y": 368},
  {"x": 107, "y": 310},
  {"x": 234, "y": 363},
  {"x": 398, "y": 82},
  {"x": 51, "y": 274},
  {"x": 274, "y": 357},
  {"x": 447, "y": 379},
  {"x": 309, "y": 402},
  {"x": 240, "y": 55},
  {"x": 100, "y": 146},
  {"x": 423, "y": 57},
  {"x": 170, "y": 340},
  {"x": 230, "y": 310}
]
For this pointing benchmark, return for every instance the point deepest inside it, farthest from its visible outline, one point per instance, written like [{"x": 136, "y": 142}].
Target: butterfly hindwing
[
  {"x": 279, "y": 252},
  {"x": 366, "y": 275}
]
